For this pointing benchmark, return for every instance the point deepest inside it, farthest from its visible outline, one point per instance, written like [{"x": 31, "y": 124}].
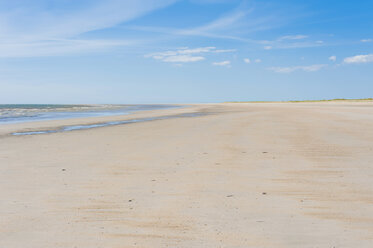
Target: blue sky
[{"x": 180, "y": 51}]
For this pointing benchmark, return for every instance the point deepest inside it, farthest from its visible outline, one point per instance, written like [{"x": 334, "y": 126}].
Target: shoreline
[
  {"x": 60, "y": 124},
  {"x": 105, "y": 124},
  {"x": 22, "y": 113}
]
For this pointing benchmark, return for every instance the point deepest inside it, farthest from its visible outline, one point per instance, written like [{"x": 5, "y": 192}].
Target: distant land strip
[{"x": 295, "y": 101}]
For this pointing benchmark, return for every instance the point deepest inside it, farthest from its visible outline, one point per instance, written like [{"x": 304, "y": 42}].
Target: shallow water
[
  {"x": 16, "y": 113},
  {"x": 105, "y": 124}
]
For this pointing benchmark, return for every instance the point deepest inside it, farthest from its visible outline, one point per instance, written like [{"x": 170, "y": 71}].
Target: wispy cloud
[
  {"x": 333, "y": 58},
  {"x": 218, "y": 24},
  {"x": 222, "y": 63},
  {"x": 291, "y": 42},
  {"x": 236, "y": 25},
  {"x": 225, "y": 51},
  {"x": 295, "y": 45},
  {"x": 209, "y": 1},
  {"x": 182, "y": 58},
  {"x": 293, "y": 37},
  {"x": 195, "y": 50},
  {"x": 218, "y": 28},
  {"x": 33, "y": 29},
  {"x": 184, "y": 55},
  {"x": 359, "y": 59},
  {"x": 366, "y": 40},
  {"x": 248, "y": 61},
  {"x": 309, "y": 68},
  {"x": 58, "y": 47},
  {"x": 239, "y": 25}
]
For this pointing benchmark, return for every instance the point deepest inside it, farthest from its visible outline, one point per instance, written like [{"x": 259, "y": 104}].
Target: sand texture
[{"x": 242, "y": 175}]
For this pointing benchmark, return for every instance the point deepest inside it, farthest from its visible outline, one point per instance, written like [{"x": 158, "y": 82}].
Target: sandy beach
[{"x": 239, "y": 175}]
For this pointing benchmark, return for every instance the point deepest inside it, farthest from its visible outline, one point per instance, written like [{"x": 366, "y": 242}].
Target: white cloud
[
  {"x": 359, "y": 59},
  {"x": 42, "y": 28},
  {"x": 333, "y": 58},
  {"x": 290, "y": 42},
  {"x": 183, "y": 59},
  {"x": 223, "y": 63},
  {"x": 58, "y": 47},
  {"x": 237, "y": 24},
  {"x": 310, "y": 68},
  {"x": 293, "y": 37},
  {"x": 234, "y": 25},
  {"x": 209, "y": 1},
  {"x": 196, "y": 50},
  {"x": 34, "y": 19},
  {"x": 295, "y": 45},
  {"x": 218, "y": 28},
  {"x": 366, "y": 40},
  {"x": 185, "y": 54},
  {"x": 224, "y": 51},
  {"x": 258, "y": 60},
  {"x": 218, "y": 24},
  {"x": 247, "y": 61}
]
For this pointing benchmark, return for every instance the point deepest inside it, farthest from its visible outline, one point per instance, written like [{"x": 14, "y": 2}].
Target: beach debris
[
  {"x": 264, "y": 152},
  {"x": 63, "y": 169},
  {"x": 229, "y": 195},
  {"x": 264, "y": 193}
]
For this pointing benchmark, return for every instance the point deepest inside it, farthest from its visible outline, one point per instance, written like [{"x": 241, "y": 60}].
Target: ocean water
[
  {"x": 104, "y": 124},
  {"x": 16, "y": 113}
]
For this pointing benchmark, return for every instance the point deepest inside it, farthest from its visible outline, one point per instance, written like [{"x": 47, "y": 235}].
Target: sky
[{"x": 184, "y": 51}]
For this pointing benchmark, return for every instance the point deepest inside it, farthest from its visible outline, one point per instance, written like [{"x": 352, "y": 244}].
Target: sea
[{"x": 17, "y": 113}]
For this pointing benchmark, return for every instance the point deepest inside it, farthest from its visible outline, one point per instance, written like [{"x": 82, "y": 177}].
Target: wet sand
[{"x": 241, "y": 175}]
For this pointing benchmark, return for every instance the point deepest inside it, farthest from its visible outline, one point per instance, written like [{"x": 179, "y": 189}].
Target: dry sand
[{"x": 244, "y": 175}]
